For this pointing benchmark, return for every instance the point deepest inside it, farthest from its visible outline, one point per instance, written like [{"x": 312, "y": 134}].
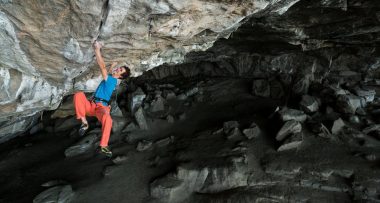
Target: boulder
[
  {"x": 169, "y": 94},
  {"x": 108, "y": 170},
  {"x": 261, "y": 88},
  {"x": 66, "y": 124},
  {"x": 136, "y": 99},
  {"x": 130, "y": 127},
  {"x": 372, "y": 128},
  {"x": 144, "y": 145},
  {"x": 229, "y": 125},
  {"x": 170, "y": 119},
  {"x": 164, "y": 142},
  {"x": 367, "y": 94},
  {"x": 120, "y": 159},
  {"x": 291, "y": 142},
  {"x": 182, "y": 116},
  {"x": 115, "y": 110},
  {"x": 187, "y": 180},
  {"x": 309, "y": 104},
  {"x": 61, "y": 194},
  {"x": 290, "y": 127},
  {"x": 337, "y": 126},
  {"x": 252, "y": 132},
  {"x": 292, "y": 114},
  {"x": 141, "y": 120},
  {"x": 118, "y": 124},
  {"x": 182, "y": 96},
  {"x": 37, "y": 128},
  {"x": 350, "y": 103},
  {"x": 276, "y": 89},
  {"x": 54, "y": 183},
  {"x": 192, "y": 92},
  {"x": 158, "y": 104},
  {"x": 83, "y": 146},
  {"x": 234, "y": 134},
  {"x": 354, "y": 119},
  {"x": 65, "y": 109}
]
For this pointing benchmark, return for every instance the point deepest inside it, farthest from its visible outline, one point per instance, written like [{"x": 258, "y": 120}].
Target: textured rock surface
[{"x": 46, "y": 46}]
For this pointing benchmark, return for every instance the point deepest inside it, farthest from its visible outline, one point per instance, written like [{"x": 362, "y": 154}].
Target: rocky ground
[{"x": 204, "y": 140}]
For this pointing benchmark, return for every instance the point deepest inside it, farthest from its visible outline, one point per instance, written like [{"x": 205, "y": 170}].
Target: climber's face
[{"x": 118, "y": 72}]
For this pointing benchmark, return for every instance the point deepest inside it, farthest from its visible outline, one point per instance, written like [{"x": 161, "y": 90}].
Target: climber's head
[{"x": 121, "y": 72}]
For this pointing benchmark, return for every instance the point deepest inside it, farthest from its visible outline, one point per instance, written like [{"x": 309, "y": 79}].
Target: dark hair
[{"x": 126, "y": 73}]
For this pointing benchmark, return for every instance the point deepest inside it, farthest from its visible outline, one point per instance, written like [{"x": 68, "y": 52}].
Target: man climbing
[{"x": 99, "y": 105}]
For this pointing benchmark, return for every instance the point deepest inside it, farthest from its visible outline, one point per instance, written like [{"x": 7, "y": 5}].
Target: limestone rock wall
[{"x": 46, "y": 48}]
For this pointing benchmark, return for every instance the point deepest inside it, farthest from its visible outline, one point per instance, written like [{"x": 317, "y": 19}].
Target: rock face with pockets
[{"x": 46, "y": 48}]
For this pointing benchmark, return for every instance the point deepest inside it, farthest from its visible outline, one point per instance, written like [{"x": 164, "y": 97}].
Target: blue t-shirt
[{"x": 105, "y": 89}]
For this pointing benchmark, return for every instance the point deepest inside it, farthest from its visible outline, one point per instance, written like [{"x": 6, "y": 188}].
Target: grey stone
[
  {"x": 108, "y": 170},
  {"x": 337, "y": 126},
  {"x": 291, "y": 142},
  {"x": 136, "y": 99},
  {"x": 158, "y": 104},
  {"x": 371, "y": 157},
  {"x": 219, "y": 131},
  {"x": 155, "y": 161},
  {"x": 120, "y": 159},
  {"x": 169, "y": 94},
  {"x": 234, "y": 134},
  {"x": 368, "y": 95},
  {"x": 170, "y": 86},
  {"x": 276, "y": 89},
  {"x": 187, "y": 180},
  {"x": 349, "y": 103},
  {"x": 130, "y": 127},
  {"x": 292, "y": 114},
  {"x": 354, "y": 119},
  {"x": 338, "y": 91},
  {"x": 290, "y": 127},
  {"x": 118, "y": 124},
  {"x": 61, "y": 194},
  {"x": 192, "y": 92},
  {"x": 361, "y": 111},
  {"x": 170, "y": 119},
  {"x": 309, "y": 104},
  {"x": 261, "y": 88},
  {"x": 35, "y": 129},
  {"x": 375, "y": 127},
  {"x": 11, "y": 127},
  {"x": 325, "y": 132},
  {"x": 54, "y": 183},
  {"x": 164, "y": 142},
  {"x": 165, "y": 189},
  {"x": 115, "y": 110},
  {"x": 182, "y": 96},
  {"x": 252, "y": 132},
  {"x": 81, "y": 147},
  {"x": 182, "y": 116},
  {"x": 289, "y": 146},
  {"x": 66, "y": 124},
  {"x": 144, "y": 145},
  {"x": 302, "y": 85},
  {"x": 229, "y": 125},
  {"x": 141, "y": 120}
]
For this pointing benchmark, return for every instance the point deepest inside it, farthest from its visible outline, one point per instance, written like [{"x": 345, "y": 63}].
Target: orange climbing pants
[{"x": 84, "y": 107}]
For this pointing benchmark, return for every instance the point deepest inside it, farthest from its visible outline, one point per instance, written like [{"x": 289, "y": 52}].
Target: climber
[{"x": 99, "y": 105}]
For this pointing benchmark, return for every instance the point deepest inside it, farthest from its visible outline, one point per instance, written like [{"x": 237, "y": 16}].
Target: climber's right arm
[{"x": 100, "y": 60}]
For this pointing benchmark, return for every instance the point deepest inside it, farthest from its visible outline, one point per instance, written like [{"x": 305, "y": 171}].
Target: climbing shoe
[
  {"x": 83, "y": 128},
  {"x": 106, "y": 151}
]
